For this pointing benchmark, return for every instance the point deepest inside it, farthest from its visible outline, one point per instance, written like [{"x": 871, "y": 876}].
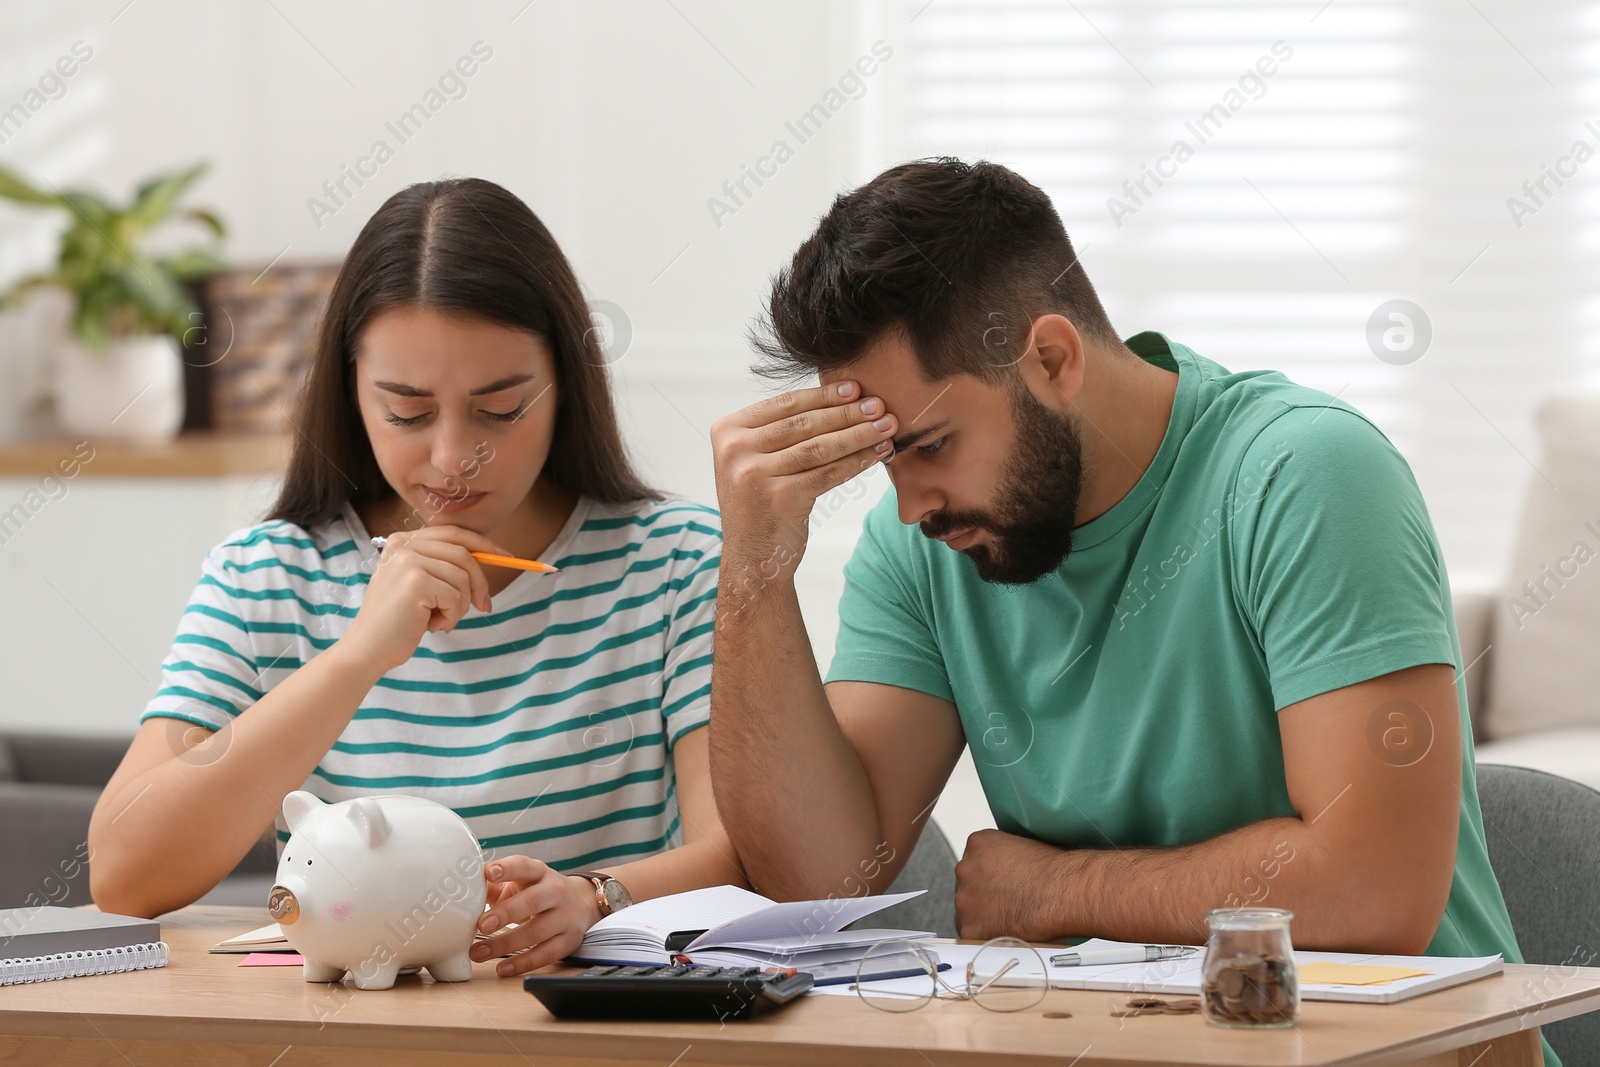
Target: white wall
[
  {"x": 616, "y": 122},
  {"x": 93, "y": 584}
]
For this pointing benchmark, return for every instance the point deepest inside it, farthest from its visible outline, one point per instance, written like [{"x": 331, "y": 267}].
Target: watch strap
[{"x": 599, "y": 878}]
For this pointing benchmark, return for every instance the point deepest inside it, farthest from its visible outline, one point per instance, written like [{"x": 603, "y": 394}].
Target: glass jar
[{"x": 1250, "y": 980}]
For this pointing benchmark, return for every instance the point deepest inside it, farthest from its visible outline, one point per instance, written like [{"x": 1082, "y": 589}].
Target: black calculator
[{"x": 669, "y": 991}]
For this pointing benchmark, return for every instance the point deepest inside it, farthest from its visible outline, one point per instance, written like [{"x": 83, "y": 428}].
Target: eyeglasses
[{"x": 1004, "y": 975}]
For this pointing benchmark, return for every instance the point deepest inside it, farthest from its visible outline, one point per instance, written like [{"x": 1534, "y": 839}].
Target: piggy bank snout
[{"x": 282, "y": 905}]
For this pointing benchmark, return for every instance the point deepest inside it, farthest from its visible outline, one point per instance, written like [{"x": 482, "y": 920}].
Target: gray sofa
[{"x": 48, "y": 787}]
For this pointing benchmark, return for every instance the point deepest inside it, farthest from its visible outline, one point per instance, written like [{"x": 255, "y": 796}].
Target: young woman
[{"x": 456, "y": 402}]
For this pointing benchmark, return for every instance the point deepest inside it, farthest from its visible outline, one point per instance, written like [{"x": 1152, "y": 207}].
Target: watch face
[{"x": 616, "y": 894}]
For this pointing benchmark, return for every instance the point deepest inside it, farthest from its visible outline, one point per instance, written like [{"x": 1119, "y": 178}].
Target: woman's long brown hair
[{"x": 466, "y": 247}]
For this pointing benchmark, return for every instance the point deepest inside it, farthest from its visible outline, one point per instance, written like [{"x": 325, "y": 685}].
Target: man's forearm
[
  {"x": 792, "y": 793},
  {"x": 1162, "y": 895}
]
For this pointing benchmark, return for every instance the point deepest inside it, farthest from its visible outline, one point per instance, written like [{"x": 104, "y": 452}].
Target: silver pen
[{"x": 1122, "y": 954}]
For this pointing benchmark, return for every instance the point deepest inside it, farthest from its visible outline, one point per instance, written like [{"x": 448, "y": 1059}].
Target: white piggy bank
[{"x": 377, "y": 884}]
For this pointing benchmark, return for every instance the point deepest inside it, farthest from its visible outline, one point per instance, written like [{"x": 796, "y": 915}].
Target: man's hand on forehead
[{"x": 777, "y": 456}]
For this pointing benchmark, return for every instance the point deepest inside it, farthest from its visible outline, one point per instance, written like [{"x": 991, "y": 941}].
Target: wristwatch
[{"x": 610, "y": 894}]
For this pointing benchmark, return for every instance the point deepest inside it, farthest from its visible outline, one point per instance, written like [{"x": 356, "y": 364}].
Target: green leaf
[
  {"x": 191, "y": 265},
  {"x": 119, "y": 288},
  {"x": 156, "y": 292},
  {"x": 96, "y": 302},
  {"x": 155, "y": 198},
  {"x": 208, "y": 218},
  {"x": 89, "y": 209},
  {"x": 14, "y": 188}
]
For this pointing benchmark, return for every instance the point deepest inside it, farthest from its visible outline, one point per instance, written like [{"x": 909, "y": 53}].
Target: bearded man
[{"x": 1194, "y": 624}]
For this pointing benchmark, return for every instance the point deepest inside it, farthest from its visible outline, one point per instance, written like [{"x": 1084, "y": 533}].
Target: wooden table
[{"x": 202, "y": 1009}]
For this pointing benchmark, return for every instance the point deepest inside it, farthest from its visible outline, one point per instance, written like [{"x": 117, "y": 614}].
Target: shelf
[{"x": 192, "y": 455}]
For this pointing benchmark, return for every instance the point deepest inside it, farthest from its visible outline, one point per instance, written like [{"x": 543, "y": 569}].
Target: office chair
[{"x": 1543, "y": 834}]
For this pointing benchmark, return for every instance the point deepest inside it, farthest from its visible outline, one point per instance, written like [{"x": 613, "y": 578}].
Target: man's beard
[{"x": 1036, "y": 506}]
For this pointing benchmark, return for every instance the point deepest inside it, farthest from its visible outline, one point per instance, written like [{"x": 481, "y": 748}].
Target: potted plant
[{"x": 119, "y": 372}]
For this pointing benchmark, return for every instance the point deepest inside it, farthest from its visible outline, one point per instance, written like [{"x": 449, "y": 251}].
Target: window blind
[{"x": 1263, "y": 181}]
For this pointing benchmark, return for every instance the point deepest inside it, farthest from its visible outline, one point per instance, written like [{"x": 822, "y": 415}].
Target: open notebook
[
  {"x": 268, "y": 938},
  {"x": 732, "y": 927}
]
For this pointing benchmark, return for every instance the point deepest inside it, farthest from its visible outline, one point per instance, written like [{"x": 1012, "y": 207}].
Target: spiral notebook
[{"x": 46, "y": 943}]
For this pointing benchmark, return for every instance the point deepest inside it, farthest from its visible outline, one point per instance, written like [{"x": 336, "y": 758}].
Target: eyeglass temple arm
[{"x": 1001, "y": 973}]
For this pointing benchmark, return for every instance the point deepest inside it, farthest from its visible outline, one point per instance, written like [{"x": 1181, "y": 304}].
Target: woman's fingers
[
  {"x": 470, "y": 540},
  {"x": 425, "y": 581},
  {"x": 528, "y": 935},
  {"x": 520, "y": 873},
  {"x": 515, "y": 868},
  {"x": 550, "y": 920},
  {"x": 444, "y": 587},
  {"x": 499, "y": 892},
  {"x": 552, "y": 950},
  {"x": 476, "y": 584}
]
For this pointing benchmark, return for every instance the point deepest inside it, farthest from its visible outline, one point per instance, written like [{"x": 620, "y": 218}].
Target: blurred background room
[{"x": 1393, "y": 201}]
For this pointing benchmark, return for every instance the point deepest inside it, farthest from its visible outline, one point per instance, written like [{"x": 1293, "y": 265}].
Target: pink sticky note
[{"x": 272, "y": 959}]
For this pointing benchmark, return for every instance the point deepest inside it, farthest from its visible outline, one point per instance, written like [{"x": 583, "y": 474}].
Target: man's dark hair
[{"x": 960, "y": 257}]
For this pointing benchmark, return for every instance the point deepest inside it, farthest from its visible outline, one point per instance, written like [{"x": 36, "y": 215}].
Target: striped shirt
[{"x": 548, "y": 725}]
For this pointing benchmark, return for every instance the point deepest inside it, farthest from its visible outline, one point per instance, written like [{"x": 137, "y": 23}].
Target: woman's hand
[
  {"x": 425, "y": 580},
  {"x": 553, "y": 912}
]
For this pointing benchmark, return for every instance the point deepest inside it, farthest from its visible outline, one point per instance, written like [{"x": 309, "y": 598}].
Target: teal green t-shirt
[{"x": 1277, "y": 548}]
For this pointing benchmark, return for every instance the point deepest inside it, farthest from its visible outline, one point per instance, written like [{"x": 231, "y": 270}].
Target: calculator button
[
  {"x": 626, "y": 971},
  {"x": 670, "y": 972},
  {"x": 595, "y": 972}
]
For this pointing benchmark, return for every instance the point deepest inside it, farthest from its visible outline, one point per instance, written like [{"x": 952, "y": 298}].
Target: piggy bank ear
[
  {"x": 368, "y": 817},
  {"x": 296, "y": 806}
]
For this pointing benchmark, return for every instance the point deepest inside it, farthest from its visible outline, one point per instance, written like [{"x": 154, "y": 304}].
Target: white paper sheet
[
  {"x": 1182, "y": 976},
  {"x": 694, "y": 910},
  {"x": 798, "y": 919},
  {"x": 947, "y": 952}
]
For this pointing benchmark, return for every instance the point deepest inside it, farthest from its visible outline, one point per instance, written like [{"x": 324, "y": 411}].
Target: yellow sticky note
[{"x": 1355, "y": 973}]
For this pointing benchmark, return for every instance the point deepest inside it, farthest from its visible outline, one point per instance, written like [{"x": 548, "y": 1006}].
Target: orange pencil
[
  {"x": 493, "y": 560},
  {"x": 514, "y": 563}
]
